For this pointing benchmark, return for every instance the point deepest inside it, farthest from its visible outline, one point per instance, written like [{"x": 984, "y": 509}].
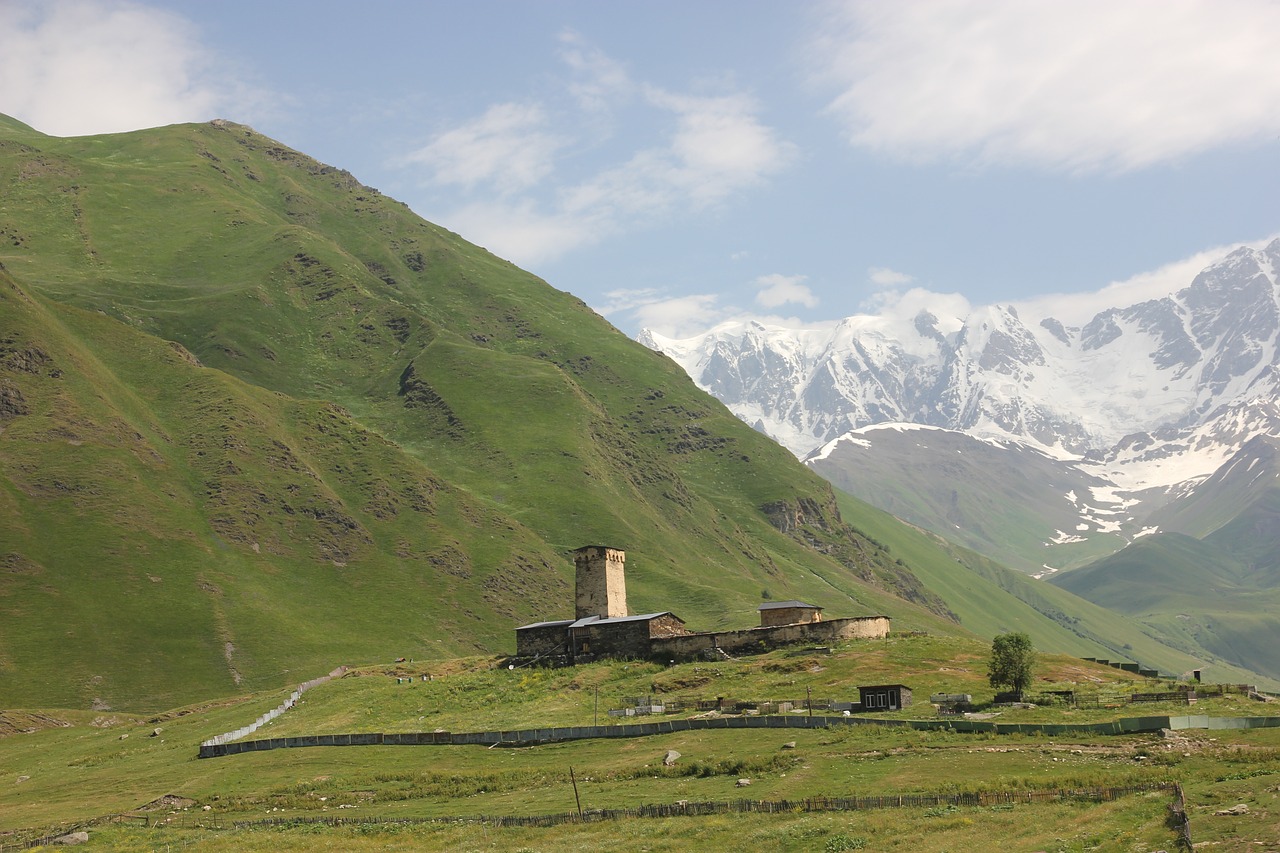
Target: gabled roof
[
  {"x": 614, "y": 620},
  {"x": 596, "y": 620},
  {"x": 552, "y": 624},
  {"x": 779, "y": 605}
]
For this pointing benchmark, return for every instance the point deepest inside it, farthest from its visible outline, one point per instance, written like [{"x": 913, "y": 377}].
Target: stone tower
[{"x": 601, "y": 584}]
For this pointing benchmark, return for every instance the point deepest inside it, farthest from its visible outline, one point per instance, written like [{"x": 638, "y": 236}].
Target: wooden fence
[
  {"x": 810, "y": 804},
  {"x": 1178, "y": 817}
]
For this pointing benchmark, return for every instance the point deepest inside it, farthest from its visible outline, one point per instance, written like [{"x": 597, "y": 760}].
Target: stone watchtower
[{"x": 600, "y": 583}]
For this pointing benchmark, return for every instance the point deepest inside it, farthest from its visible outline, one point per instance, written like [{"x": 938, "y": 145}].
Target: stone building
[
  {"x": 601, "y": 583},
  {"x": 884, "y": 697},
  {"x": 592, "y": 637},
  {"x": 788, "y": 613},
  {"x": 602, "y": 627}
]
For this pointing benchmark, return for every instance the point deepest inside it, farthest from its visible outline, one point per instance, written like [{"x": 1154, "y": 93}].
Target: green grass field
[{"x": 79, "y": 766}]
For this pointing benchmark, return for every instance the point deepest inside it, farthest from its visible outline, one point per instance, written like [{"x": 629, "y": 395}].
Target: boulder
[{"x": 72, "y": 838}]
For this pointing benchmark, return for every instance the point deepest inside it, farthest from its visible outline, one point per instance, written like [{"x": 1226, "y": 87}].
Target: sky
[{"x": 679, "y": 164}]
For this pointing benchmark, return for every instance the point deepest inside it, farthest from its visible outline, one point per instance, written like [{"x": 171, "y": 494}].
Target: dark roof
[
  {"x": 561, "y": 622},
  {"x": 596, "y": 620},
  {"x": 778, "y": 605},
  {"x": 613, "y": 620},
  {"x": 883, "y": 687}
]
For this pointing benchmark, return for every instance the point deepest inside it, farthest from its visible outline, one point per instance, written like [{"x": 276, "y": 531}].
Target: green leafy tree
[{"x": 1012, "y": 660}]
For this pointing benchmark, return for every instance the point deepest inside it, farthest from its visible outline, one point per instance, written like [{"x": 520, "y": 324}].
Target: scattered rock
[
  {"x": 1238, "y": 809},
  {"x": 742, "y": 783},
  {"x": 169, "y": 803},
  {"x": 670, "y": 758},
  {"x": 124, "y": 736},
  {"x": 156, "y": 732},
  {"x": 21, "y": 779},
  {"x": 789, "y": 745},
  {"x": 72, "y": 838}
]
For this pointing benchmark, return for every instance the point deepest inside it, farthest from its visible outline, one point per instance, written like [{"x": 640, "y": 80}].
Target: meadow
[{"x": 135, "y": 783}]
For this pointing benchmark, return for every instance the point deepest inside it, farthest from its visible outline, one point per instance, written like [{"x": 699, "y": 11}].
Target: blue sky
[{"x": 676, "y": 164}]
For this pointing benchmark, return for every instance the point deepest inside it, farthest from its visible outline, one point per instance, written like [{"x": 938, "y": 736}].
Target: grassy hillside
[
  {"x": 258, "y": 419},
  {"x": 989, "y": 599},
  {"x": 1193, "y": 592},
  {"x": 1010, "y": 503},
  {"x": 1236, "y": 504}
]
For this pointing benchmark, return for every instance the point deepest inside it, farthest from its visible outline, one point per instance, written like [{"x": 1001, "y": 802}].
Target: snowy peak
[{"x": 1005, "y": 373}]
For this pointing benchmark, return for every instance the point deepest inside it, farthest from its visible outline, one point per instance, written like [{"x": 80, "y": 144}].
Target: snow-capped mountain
[
  {"x": 1131, "y": 376},
  {"x": 1140, "y": 403}
]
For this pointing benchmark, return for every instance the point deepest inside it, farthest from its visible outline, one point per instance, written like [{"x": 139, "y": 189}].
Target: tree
[{"x": 1012, "y": 660}]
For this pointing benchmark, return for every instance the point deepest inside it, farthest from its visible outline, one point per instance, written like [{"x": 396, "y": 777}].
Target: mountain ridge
[
  {"x": 1146, "y": 400},
  {"x": 292, "y": 424},
  {"x": 1074, "y": 453},
  {"x": 1169, "y": 362}
]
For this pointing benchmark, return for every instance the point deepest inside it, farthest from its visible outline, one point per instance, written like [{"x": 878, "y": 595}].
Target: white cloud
[
  {"x": 627, "y": 300},
  {"x": 1081, "y": 86},
  {"x": 777, "y": 290},
  {"x": 518, "y": 231},
  {"x": 902, "y": 307},
  {"x": 1079, "y": 308},
  {"x": 885, "y": 277},
  {"x": 681, "y": 316},
  {"x": 507, "y": 148},
  {"x": 714, "y": 147},
  {"x": 73, "y": 67},
  {"x": 719, "y": 145},
  {"x": 598, "y": 79}
]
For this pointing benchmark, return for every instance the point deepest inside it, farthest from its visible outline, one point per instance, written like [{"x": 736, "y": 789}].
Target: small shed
[
  {"x": 774, "y": 613},
  {"x": 884, "y": 697}
]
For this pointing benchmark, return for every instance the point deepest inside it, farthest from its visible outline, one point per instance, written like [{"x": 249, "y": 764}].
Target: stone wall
[
  {"x": 774, "y": 616},
  {"x": 761, "y": 639},
  {"x": 613, "y": 639},
  {"x": 600, "y": 587},
  {"x": 542, "y": 640},
  {"x": 551, "y": 735}
]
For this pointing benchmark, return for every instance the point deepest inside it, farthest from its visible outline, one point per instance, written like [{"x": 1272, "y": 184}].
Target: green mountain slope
[
  {"x": 1212, "y": 578},
  {"x": 1192, "y": 591},
  {"x": 258, "y": 419},
  {"x": 1011, "y": 503},
  {"x": 989, "y": 599}
]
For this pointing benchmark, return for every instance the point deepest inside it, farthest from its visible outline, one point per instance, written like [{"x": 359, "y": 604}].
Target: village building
[
  {"x": 884, "y": 697},
  {"x": 788, "y": 613},
  {"x": 602, "y": 627}
]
